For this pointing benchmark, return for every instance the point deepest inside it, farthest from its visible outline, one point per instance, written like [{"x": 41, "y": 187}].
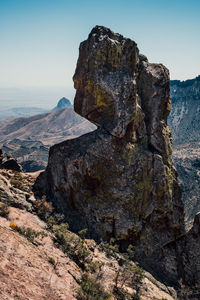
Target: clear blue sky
[{"x": 40, "y": 38}]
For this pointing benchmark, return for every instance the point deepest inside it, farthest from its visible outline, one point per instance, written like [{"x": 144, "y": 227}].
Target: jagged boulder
[
  {"x": 118, "y": 181},
  {"x": 9, "y": 163}
]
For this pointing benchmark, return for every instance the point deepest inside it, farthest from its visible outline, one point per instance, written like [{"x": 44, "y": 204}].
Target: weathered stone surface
[
  {"x": 118, "y": 181},
  {"x": 14, "y": 190}
]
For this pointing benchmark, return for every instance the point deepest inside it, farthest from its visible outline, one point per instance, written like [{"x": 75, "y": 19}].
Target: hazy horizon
[
  {"x": 41, "y": 97},
  {"x": 40, "y": 41}
]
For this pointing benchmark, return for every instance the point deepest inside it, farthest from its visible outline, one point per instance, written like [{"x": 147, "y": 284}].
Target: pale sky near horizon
[{"x": 40, "y": 39}]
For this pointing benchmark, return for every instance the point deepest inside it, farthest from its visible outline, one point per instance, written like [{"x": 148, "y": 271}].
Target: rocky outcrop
[
  {"x": 118, "y": 181},
  {"x": 9, "y": 163}
]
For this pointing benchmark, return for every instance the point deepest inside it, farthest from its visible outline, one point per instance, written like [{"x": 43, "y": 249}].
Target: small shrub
[
  {"x": 137, "y": 277},
  {"x": 82, "y": 233},
  {"x": 92, "y": 267},
  {"x": 136, "y": 296},
  {"x": 17, "y": 175},
  {"x": 130, "y": 251},
  {"x": 61, "y": 231},
  {"x": 72, "y": 245},
  {"x": 110, "y": 249},
  {"x": 129, "y": 254},
  {"x": 4, "y": 212},
  {"x": 91, "y": 290},
  {"x": 43, "y": 208},
  {"x": 52, "y": 261},
  {"x": 17, "y": 181},
  {"x": 51, "y": 221},
  {"x": 131, "y": 275},
  {"x": 28, "y": 232},
  {"x": 120, "y": 293}
]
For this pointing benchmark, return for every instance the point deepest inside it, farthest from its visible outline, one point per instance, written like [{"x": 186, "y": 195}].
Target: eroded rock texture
[{"x": 118, "y": 181}]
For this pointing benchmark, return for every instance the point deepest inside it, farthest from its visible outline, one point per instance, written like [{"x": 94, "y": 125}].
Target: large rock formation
[{"x": 118, "y": 181}]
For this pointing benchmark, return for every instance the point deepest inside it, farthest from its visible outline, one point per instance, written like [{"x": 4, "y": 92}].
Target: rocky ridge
[
  {"x": 184, "y": 121},
  {"x": 47, "y": 128},
  {"x": 119, "y": 181},
  {"x": 17, "y": 112},
  {"x": 29, "y": 139}
]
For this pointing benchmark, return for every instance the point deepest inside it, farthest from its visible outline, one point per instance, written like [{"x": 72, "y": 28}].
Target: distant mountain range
[
  {"x": 184, "y": 121},
  {"x": 185, "y": 116},
  {"x": 21, "y": 112},
  {"x": 48, "y": 128},
  {"x": 28, "y": 138}
]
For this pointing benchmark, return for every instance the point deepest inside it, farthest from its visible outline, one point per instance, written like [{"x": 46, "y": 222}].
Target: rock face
[
  {"x": 191, "y": 254},
  {"x": 118, "y": 181},
  {"x": 186, "y": 158}
]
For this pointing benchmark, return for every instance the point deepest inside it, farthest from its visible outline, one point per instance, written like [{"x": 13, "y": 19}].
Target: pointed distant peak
[{"x": 63, "y": 103}]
